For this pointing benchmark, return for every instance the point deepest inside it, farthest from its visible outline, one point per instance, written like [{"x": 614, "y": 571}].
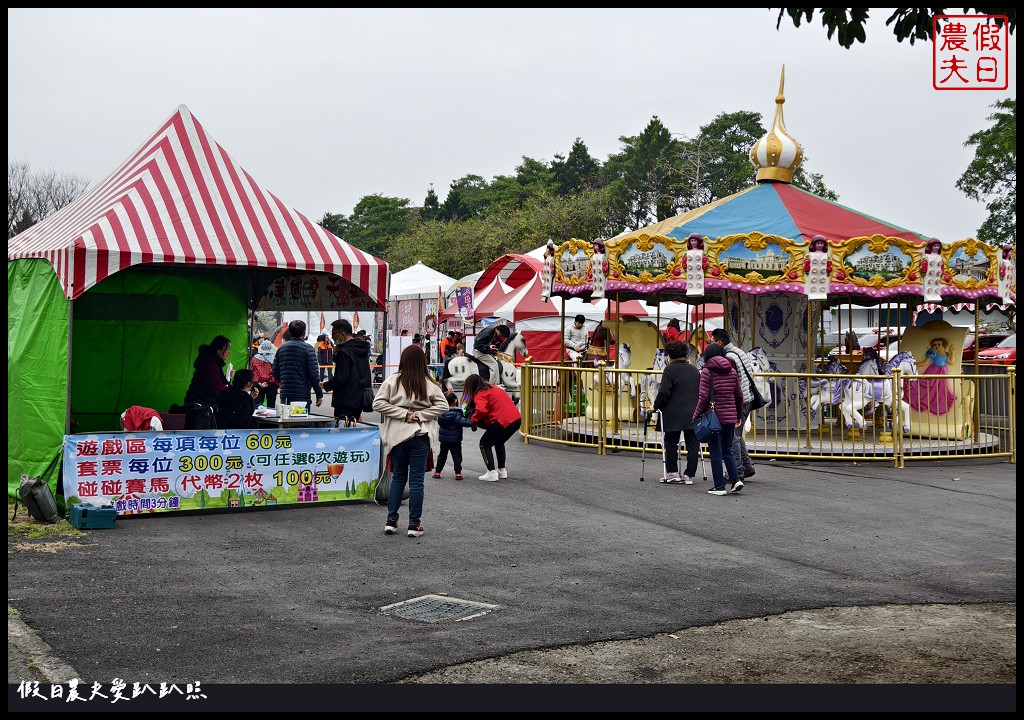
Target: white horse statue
[
  {"x": 625, "y": 380},
  {"x": 827, "y": 390},
  {"x": 767, "y": 386},
  {"x": 869, "y": 393},
  {"x": 461, "y": 367},
  {"x": 652, "y": 380}
]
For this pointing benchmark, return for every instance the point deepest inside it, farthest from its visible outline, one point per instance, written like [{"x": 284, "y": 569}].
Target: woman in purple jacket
[{"x": 728, "y": 407}]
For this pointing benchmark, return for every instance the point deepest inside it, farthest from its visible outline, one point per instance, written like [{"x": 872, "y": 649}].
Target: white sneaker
[
  {"x": 687, "y": 480},
  {"x": 502, "y": 474},
  {"x": 490, "y": 476}
]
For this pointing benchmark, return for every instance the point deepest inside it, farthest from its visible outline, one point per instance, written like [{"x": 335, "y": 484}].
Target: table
[{"x": 296, "y": 421}]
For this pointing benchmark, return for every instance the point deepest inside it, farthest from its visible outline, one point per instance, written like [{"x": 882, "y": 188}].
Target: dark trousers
[
  {"x": 408, "y": 463},
  {"x": 720, "y": 449},
  {"x": 672, "y": 451},
  {"x": 456, "y": 450},
  {"x": 494, "y": 438},
  {"x": 270, "y": 393}
]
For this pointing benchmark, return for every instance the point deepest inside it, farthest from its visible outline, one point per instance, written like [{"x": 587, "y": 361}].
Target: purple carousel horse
[{"x": 864, "y": 393}]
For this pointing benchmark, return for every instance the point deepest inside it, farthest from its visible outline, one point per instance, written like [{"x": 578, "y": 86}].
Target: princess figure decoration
[
  {"x": 818, "y": 269},
  {"x": 548, "y": 273},
  {"x": 1007, "y": 274},
  {"x": 932, "y": 393},
  {"x": 931, "y": 271},
  {"x": 598, "y": 269},
  {"x": 696, "y": 264}
]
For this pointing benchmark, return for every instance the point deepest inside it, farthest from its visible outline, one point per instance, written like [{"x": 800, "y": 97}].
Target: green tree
[
  {"x": 992, "y": 176},
  {"x": 907, "y": 23},
  {"x": 645, "y": 176},
  {"x": 576, "y": 172},
  {"x": 431, "y": 205},
  {"x": 716, "y": 163},
  {"x": 376, "y": 220},
  {"x": 335, "y": 224},
  {"x": 468, "y": 197}
]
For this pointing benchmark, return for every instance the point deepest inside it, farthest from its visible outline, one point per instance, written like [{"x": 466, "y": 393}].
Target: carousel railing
[{"x": 872, "y": 418}]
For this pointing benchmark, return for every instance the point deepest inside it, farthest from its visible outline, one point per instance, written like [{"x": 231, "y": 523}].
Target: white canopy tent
[{"x": 418, "y": 281}]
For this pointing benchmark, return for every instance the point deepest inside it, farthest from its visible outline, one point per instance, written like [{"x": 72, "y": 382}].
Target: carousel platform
[{"x": 827, "y": 443}]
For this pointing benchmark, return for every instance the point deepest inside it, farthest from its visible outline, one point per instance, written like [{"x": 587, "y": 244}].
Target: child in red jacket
[{"x": 490, "y": 407}]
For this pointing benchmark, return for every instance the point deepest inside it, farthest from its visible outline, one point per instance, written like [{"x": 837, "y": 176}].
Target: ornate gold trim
[
  {"x": 756, "y": 242},
  {"x": 877, "y": 244},
  {"x": 643, "y": 243},
  {"x": 971, "y": 247},
  {"x": 572, "y": 246}
]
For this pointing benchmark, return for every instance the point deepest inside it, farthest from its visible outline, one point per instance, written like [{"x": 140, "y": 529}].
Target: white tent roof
[{"x": 418, "y": 281}]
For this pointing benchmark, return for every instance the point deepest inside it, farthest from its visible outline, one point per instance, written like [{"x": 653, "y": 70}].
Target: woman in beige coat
[{"x": 409, "y": 405}]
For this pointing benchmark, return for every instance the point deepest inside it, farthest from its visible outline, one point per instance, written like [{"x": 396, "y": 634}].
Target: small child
[{"x": 450, "y": 434}]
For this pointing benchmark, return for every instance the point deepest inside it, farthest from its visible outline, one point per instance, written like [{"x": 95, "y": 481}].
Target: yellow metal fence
[{"x": 829, "y": 417}]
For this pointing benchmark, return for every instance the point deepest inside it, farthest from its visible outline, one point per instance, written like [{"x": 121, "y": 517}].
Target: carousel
[{"x": 780, "y": 260}]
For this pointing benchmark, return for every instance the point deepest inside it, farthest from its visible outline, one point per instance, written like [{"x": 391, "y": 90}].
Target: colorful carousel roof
[{"x": 773, "y": 237}]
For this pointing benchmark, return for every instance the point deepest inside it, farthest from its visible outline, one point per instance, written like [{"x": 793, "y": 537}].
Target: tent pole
[
  {"x": 562, "y": 336},
  {"x": 67, "y": 398}
]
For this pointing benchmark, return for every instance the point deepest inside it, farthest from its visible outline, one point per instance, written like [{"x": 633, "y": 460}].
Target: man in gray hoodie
[{"x": 745, "y": 373}]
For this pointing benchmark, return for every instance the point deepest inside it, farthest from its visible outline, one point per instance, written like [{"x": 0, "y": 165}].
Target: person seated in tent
[
  {"x": 208, "y": 379},
  {"x": 236, "y": 404}
]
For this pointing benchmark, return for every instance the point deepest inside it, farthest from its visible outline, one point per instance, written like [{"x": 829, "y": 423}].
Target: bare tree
[{"x": 31, "y": 196}]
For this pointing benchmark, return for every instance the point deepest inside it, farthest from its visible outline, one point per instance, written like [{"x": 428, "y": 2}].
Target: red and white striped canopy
[{"x": 182, "y": 199}]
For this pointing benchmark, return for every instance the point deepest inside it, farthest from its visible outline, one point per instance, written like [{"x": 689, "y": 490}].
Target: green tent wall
[{"x": 134, "y": 338}]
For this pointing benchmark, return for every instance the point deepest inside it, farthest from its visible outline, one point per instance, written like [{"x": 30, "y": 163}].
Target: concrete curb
[{"x": 34, "y": 655}]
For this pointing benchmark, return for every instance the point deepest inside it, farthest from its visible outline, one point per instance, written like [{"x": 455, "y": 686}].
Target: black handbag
[
  {"x": 707, "y": 424},
  {"x": 757, "y": 400}
]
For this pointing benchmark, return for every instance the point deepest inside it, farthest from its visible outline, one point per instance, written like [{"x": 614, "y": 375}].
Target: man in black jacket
[
  {"x": 485, "y": 344},
  {"x": 295, "y": 367},
  {"x": 351, "y": 372}
]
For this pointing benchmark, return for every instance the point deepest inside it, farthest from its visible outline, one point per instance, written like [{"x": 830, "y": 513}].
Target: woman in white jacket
[{"x": 409, "y": 404}]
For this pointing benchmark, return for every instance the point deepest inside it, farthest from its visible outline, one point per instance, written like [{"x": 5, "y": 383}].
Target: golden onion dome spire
[{"x": 777, "y": 154}]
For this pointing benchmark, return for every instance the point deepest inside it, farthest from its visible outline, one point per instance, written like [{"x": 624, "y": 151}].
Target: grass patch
[{"x": 25, "y": 526}]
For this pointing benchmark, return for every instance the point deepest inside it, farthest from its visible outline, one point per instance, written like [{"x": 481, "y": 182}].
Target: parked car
[
  {"x": 1005, "y": 353},
  {"x": 985, "y": 342}
]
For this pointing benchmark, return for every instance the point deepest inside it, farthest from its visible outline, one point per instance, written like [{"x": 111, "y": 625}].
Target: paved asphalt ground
[{"x": 572, "y": 548}]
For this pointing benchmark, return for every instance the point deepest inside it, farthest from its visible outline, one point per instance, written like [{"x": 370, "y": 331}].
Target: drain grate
[{"x": 437, "y": 608}]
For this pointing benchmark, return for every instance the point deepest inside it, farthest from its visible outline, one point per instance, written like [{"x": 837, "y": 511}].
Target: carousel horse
[
  {"x": 769, "y": 387},
  {"x": 824, "y": 391},
  {"x": 461, "y": 367},
  {"x": 626, "y": 381},
  {"x": 860, "y": 394},
  {"x": 652, "y": 380}
]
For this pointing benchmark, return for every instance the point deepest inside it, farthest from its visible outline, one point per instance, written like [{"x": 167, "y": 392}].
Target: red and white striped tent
[
  {"x": 180, "y": 198},
  {"x": 113, "y": 294}
]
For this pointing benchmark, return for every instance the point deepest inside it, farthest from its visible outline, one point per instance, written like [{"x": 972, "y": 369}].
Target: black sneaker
[
  {"x": 718, "y": 491},
  {"x": 390, "y": 527},
  {"x": 415, "y": 530},
  {"x": 736, "y": 486}
]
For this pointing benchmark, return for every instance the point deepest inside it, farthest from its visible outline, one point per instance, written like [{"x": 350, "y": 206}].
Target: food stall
[{"x": 109, "y": 300}]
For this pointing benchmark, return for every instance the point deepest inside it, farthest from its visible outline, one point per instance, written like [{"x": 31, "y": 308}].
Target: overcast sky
[{"x": 323, "y": 107}]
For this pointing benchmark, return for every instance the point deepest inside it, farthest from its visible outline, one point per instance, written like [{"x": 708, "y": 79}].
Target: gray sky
[{"x": 323, "y": 107}]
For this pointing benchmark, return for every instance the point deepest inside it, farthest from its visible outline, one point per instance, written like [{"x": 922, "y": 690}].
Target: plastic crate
[{"x": 88, "y": 517}]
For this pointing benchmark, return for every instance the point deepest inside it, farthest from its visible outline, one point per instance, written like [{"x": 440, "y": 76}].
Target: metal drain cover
[{"x": 437, "y": 608}]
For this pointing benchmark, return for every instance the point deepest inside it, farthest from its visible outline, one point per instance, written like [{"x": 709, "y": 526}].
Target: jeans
[
  {"x": 495, "y": 437},
  {"x": 720, "y": 449},
  {"x": 408, "y": 463},
  {"x": 456, "y": 450},
  {"x": 671, "y": 446},
  {"x": 739, "y": 445}
]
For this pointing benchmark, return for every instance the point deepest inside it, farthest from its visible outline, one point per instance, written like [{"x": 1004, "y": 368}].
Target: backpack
[
  {"x": 200, "y": 417},
  {"x": 35, "y": 494}
]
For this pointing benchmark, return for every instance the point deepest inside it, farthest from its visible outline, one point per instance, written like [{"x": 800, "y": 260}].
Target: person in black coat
[
  {"x": 449, "y": 433},
  {"x": 677, "y": 398},
  {"x": 208, "y": 378},
  {"x": 351, "y": 372},
  {"x": 236, "y": 405},
  {"x": 295, "y": 367}
]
